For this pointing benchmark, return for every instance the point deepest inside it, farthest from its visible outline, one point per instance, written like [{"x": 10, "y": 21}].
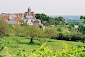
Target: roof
[
  {"x": 20, "y": 14},
  {"x": 3, "y": 13},
  {"x": 6, "y": 17},
  {"x": 17, "y": 18}
]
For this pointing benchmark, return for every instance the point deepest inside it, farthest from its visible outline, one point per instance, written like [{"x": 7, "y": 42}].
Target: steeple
[
  {"x": 29, "y": 8},
  {"x": 29, "y": 11}
]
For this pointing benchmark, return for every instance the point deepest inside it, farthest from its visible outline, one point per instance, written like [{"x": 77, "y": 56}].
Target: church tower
[{"x": 29, "y": 11}]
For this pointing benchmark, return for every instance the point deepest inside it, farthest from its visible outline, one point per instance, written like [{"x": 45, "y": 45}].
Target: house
[{"x": 28, "y": 17}]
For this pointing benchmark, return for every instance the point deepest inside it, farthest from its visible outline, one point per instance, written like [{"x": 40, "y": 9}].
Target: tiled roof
[
  {"x": 3, "y": 13},
  {"x": 20, "y": 14},
  {"x": 17, "y": 19},
  {"x": 6, "y": 17}
]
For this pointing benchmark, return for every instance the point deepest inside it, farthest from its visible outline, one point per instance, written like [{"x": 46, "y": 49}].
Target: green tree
[
  {"x": 82, "y": 17},
  {"x": 46, "y": 20},
  {"x": 21, "y": 21},
  {"x": 20, "y": 30},
  {"x": 34, "y": 32},
  {"x": 66, "y": 34},
  {"x": 71, "y": 25},
  {"x": 82, "y": 28},
  {"x": 4, "y": 28},
  {"x": 51, "y": 32},
  {"x": 60, "y": 18}
]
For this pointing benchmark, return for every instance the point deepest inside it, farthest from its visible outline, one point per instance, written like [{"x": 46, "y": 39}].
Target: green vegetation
[
  {"x": 46, "y": 20},
  {"x": 50, "y": 32},
  {"x": 21, "y": 40},
  {"x": 12, "y": 47},
  {"x": 4, "y": 28}
]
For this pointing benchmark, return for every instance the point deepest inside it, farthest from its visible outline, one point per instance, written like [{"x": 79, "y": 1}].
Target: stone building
[{"x": 28, "y": 17}]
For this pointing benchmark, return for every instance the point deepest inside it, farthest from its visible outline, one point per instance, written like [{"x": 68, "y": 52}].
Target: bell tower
[{"x": 29, "y": 11}]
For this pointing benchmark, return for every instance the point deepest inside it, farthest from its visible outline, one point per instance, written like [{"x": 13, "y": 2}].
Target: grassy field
[{"x": 22, "y": 43}]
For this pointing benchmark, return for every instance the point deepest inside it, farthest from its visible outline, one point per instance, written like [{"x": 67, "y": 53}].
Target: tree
[
  {"x": 33, "y": 32},
  {"x": 20, "y": 30},
  {"x": 46, "y": 20},
  {"x": 60, "y": 18},
  {"x": 51, "y": 32},
  {"x": 82, "y": 17},
  {"x": 21, "y": 21},
  {"x": 4, "y": 28},
  {"x": 66, "y": 34},
  {"x": 82, "y": 28},
  {"x": 71, "y": 25}
]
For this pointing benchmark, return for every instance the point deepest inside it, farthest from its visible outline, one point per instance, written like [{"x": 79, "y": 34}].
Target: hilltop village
[{"x": 28, "y": 17}]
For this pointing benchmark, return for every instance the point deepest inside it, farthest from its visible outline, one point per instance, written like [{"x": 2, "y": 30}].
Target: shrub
[
  {"x": 76, "y": 36},
  {"x": 65, "y": 34}
]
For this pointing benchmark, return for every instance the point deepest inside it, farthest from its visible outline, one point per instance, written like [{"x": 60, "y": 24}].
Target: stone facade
[{"x": 28, "y": 17}]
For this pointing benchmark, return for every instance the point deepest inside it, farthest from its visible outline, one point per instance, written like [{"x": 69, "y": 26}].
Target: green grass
[{"x": 23, "y": 43}]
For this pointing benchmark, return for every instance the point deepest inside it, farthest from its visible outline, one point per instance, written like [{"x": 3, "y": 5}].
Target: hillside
[{"x": 13, "y": 46}]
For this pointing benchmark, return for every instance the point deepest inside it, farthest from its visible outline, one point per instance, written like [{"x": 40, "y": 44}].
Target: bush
[
  {"x": 66, "y": 34},
  {"x": 76, "y": 36}
]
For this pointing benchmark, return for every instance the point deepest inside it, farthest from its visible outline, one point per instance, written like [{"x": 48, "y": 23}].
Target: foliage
[
  {"x": 46, "y": 20},
  {"x": 19, "y": 30},
  {"x": 34, "y": 31},
  {"x": 64, "y": 52},
  {"x": 82, "y": 17},
  {"x": 4, "y": 28},
  {"x": 76, "y": 36},
  {"x": 25, "y": 48},
  {"x": 82, "y": 28},
  {"x": 21, "y": 21},
  {"x": 71, "y": 25},
  {"x": 69, "y": 34},
  {"x": 51, "y": 32}
]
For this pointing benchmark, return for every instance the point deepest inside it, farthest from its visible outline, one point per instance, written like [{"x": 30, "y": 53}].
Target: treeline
[
  {"x": 46, "y": 20},
  {"x": 60, "y": 32}
]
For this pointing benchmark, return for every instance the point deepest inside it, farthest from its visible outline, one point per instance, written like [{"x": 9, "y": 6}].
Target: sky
[{"x": 49, "y": 7}]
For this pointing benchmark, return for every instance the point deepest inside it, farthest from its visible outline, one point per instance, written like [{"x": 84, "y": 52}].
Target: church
[{"x": 29, "y": 18}]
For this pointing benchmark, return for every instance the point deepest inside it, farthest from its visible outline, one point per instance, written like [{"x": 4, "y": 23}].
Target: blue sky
[{"x": 49, "y": 7}]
